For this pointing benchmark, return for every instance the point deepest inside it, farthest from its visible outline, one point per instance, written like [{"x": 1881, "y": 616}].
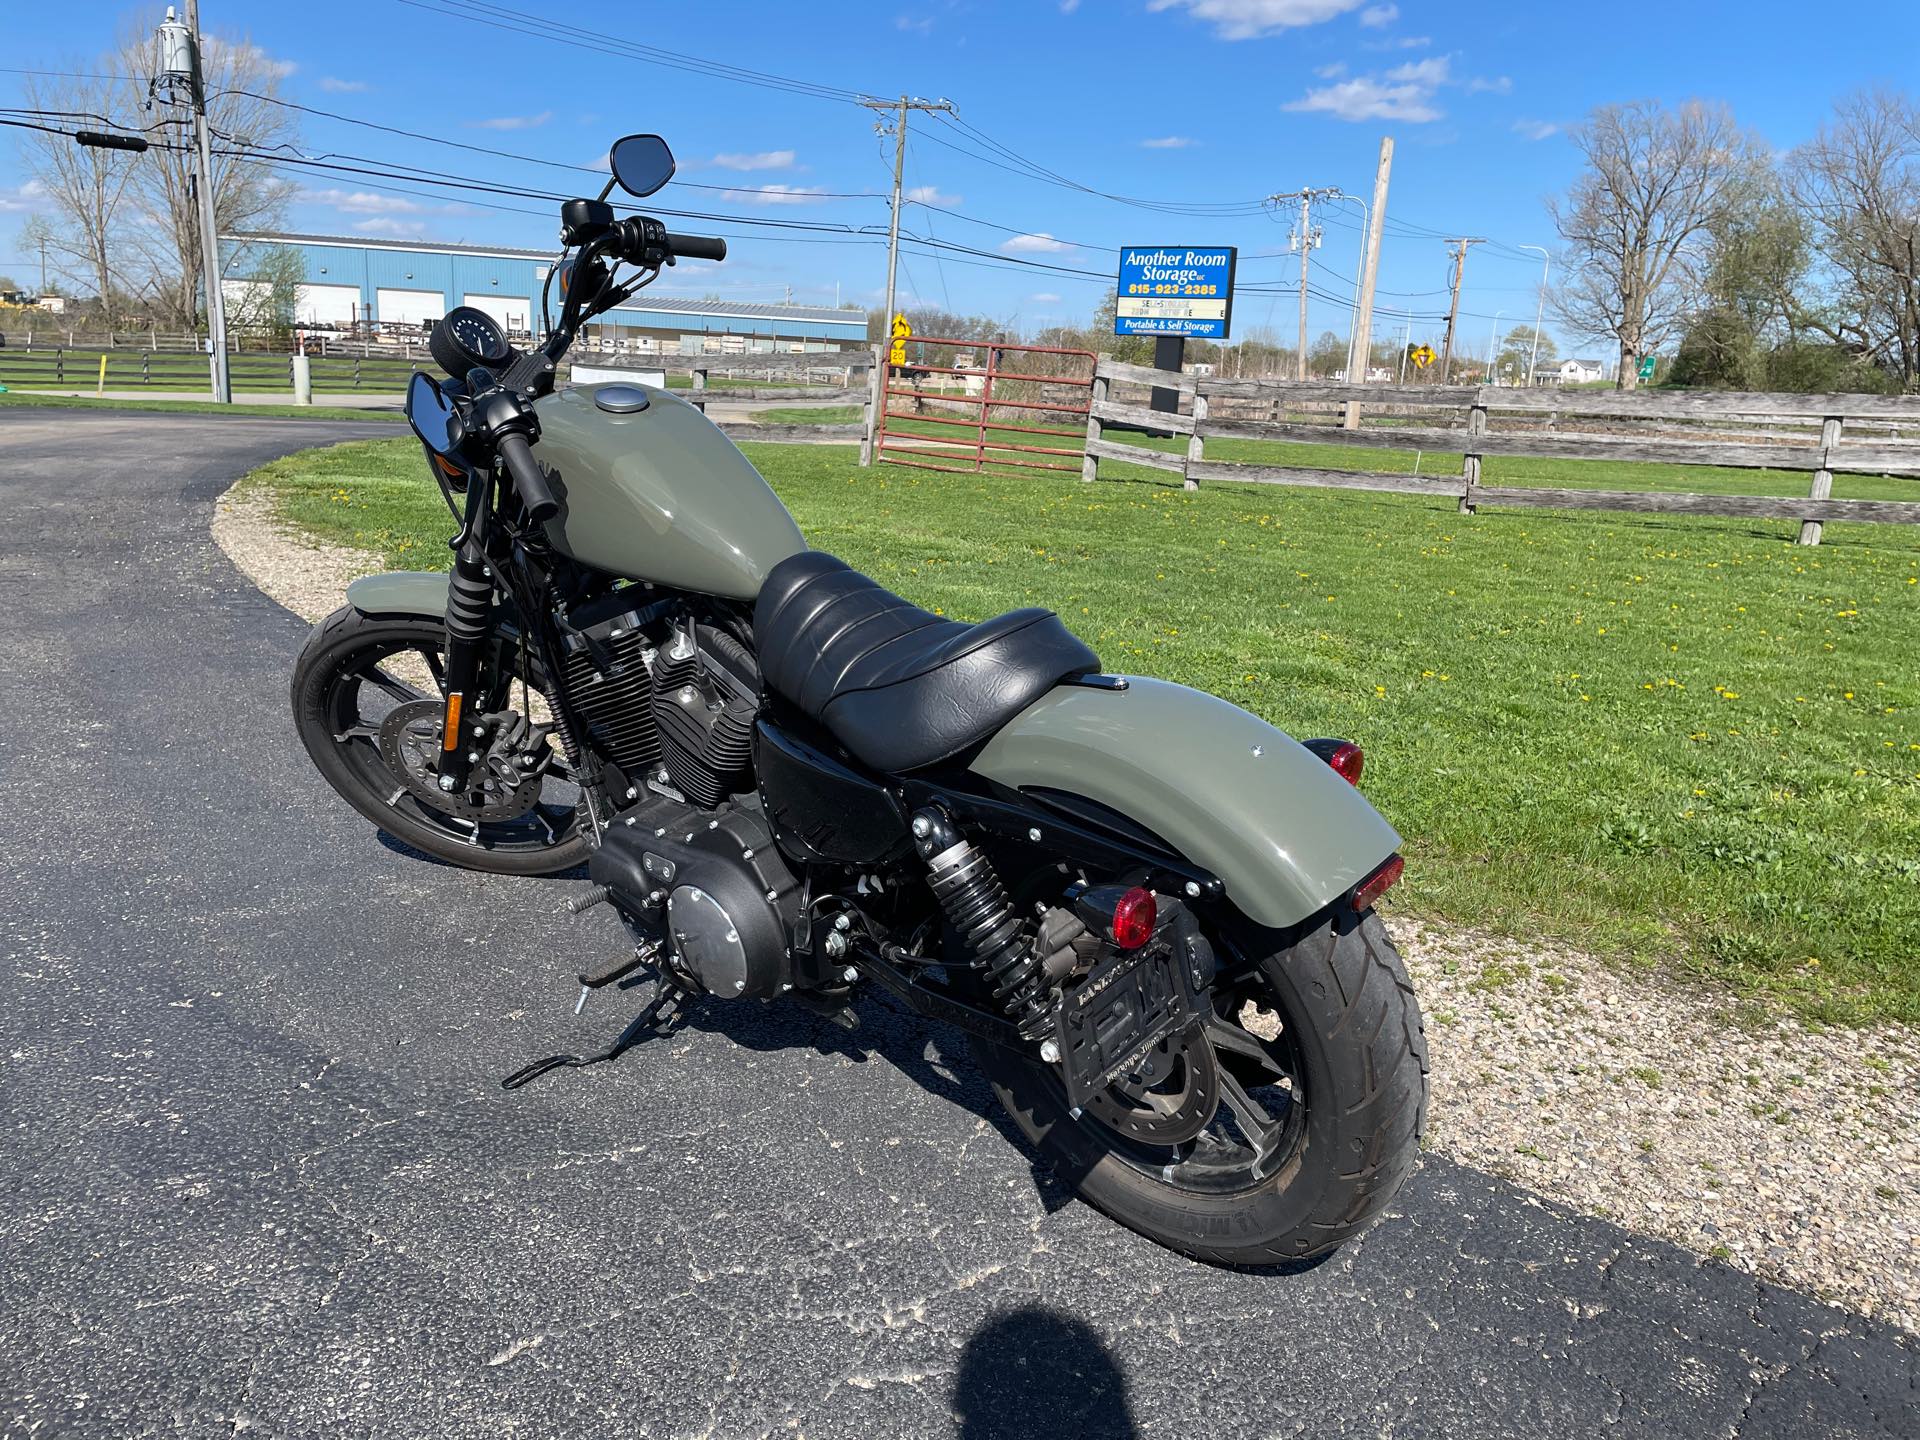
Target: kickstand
[{"x": 659, "y": 1012}]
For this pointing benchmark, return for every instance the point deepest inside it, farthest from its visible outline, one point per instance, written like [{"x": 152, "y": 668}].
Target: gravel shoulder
[{"x": 1790, "y": 1153}]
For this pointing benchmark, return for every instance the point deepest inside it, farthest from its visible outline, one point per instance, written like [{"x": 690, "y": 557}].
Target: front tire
[
  {"x": 1354, "y": 1033},
  {"x": 353, "y": 667}
]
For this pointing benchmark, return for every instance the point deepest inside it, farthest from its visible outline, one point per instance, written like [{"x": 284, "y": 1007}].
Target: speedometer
[{"x": 466, "y": 337}]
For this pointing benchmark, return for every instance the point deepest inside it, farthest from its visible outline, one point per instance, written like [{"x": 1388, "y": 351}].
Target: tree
[
  {"x": 1326, "y": 355},
  {"x": 1858, "y": 184},
  {"x": 268, "y": 299},
  {"x": 243, "y": 88},
  {"x": 1516, "y": 352},
  {"x": 86, "y": 188},
  {"x": 1634, "y": 223}
]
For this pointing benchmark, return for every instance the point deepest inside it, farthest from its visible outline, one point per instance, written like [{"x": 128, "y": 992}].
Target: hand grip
[
  {"x": 529, "y": 481},
  {"x": 697, "y": 247}
]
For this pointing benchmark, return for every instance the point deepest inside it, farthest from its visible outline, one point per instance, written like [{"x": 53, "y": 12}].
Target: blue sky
[{"x": 1209, "y": 103}]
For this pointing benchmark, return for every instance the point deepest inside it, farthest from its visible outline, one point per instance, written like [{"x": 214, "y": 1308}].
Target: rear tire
[{"x": 1344, "y": 999}]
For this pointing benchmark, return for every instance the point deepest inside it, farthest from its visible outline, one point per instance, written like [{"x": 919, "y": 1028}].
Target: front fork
[{"x": 469, "y": 625}]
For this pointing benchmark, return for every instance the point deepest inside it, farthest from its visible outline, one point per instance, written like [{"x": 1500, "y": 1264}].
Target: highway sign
[
  {"x": 1422, "y": 356},
  {"x": 902, "y": 332},
  {"x": 1175, "y": 290},
  {"x": 1647, "y": 364}
]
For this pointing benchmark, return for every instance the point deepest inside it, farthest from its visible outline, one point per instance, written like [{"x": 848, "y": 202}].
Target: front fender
[
  {"x": 1226, "y": 789},
  {"x": 401, "y": 592}
]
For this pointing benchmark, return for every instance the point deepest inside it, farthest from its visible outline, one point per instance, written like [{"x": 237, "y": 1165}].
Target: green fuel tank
[{"x": 653, "y": 491}]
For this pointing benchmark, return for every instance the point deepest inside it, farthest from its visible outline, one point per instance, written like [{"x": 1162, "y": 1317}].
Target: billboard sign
[{"x": 1175, "y": 290}]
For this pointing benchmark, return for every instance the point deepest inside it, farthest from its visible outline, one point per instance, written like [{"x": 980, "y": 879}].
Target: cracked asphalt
[{"x": 260, "y": 1173}]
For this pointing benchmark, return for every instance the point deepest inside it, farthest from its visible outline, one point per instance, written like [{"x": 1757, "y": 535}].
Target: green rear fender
[
  {"x": 402, "y": 592},
  {"x": 1227, "y": 790}
]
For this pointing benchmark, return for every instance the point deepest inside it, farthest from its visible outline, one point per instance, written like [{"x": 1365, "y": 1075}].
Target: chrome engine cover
[{"x": 706, "y": 941}]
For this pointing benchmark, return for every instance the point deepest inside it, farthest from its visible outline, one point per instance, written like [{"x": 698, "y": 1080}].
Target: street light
[
  {"x": 1353, "y": 321},
  {"x": 1540, "y": 310},
  {"x": 1493, "y": 341}
]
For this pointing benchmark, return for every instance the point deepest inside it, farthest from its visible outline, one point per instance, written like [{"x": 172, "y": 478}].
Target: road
[{"x": 260, "y": 1172}]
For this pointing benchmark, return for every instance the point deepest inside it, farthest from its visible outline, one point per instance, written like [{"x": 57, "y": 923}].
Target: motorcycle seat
[{"x": 899, "y": 687}]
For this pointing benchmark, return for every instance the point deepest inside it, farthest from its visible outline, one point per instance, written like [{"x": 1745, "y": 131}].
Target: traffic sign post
[
  {"x": 902, "y": 332},
  {"x": 1648, "y": 363},
  {"x": 1422, "y": 357}
]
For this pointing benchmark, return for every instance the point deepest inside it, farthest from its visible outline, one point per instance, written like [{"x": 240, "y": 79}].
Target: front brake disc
[{"x": 498, "y": 788}]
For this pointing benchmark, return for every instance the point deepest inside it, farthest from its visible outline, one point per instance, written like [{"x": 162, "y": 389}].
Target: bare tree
[
  {"x": 243, "y": 86},
  {"x": 85, "y": 189},
  {"x": 1858, "y": 183},
  {"x": 1635, "y": 222}
]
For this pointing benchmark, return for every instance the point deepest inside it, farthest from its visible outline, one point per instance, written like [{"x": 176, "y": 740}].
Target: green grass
[
  {"x": 817, "y": 415},
  {"x": 198, "y": 407},
  {"x": 1678, "y": 741}
]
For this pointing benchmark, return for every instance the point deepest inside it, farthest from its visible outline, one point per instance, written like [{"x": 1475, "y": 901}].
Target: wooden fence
[
  {"x": 1461, "y": 420},
  {"x": 809, "y": 376}
]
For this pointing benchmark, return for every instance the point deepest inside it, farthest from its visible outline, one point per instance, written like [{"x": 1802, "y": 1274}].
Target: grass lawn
[
  {"x": 27, "y": 398},
  {"x": 1678, "y": 741}
]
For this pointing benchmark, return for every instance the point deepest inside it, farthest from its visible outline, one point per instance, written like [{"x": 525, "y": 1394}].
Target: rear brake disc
[{"x": 1171, "y": 1098}]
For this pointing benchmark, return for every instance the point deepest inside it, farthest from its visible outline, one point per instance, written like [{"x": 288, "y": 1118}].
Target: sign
[
  {"x": 1175, "y": 290},
  {"x": 1647, "y": 364},
  {"x": 902, "y": 332},
  {"x": 1422, "y": 356}
]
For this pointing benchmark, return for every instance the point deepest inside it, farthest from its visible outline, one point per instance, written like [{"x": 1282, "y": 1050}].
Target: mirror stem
[{"x": 606, "y": 189}]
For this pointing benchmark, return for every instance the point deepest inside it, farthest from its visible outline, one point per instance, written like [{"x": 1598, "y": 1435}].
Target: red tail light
[
  {"x": 1348, "y": 761},
  {"x": 1377, "y": 884},
  {"x": 1134, "y": 917}
]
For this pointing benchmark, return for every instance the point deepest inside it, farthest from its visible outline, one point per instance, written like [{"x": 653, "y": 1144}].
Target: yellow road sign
[
  {"x": 1423, "y": 356},
  {"x": 902, "y": 332}
]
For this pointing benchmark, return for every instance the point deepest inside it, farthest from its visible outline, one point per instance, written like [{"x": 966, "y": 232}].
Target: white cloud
[
  {"x": 1378, "y": 17},
  {"x": 1404, "y": 93},
  {"x": 1499, "y": 85},
  {"x": 1251, "y": 19},
  {"x": 778, "y": 195},
  {"x": 1045, "y": 297},
  {"x": 1039, "y": 243},
  {"x": 932, "y": 195},
  {"x": 247, "y": 53},
  {"x": 1333, "y": 71},
  {"x": 1067, "y": 7},
  {"x": 22, "y": 200},
  {"x": 391, "y": 228},
  {"x": 757, "y": 160},
  {"x": 1535, "y": 129},
  {"x": 334, "y": 85},
  {"x": 362, "y": 202},
  {"x": 1170, "y": 142},
  {"x": 920, "y": 25},
  {"x": 512, "y": 122}
]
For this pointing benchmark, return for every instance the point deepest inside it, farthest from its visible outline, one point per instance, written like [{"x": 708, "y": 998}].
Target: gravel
[{"x": 1787, "y": 1152}]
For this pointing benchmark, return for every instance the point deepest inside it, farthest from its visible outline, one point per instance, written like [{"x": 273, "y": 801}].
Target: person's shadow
[{"x": 1037, "y": 1372}]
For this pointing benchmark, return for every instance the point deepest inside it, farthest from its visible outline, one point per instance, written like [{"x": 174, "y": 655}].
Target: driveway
[{"x": 260, "y": 1172}]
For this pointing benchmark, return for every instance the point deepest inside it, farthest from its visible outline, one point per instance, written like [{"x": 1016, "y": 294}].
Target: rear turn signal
[
  {"x": 1377, "y": 884},
  {"x": 1134, "y": 917}
]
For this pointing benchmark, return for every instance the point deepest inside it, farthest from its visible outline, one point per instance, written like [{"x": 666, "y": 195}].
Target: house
[{"x": 1573, "y": 372}]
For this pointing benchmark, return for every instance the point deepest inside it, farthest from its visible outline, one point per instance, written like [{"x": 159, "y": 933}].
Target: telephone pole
[
  {"x": 181, "y": 70},
  {"x": 1453, "y": 308},
  {"x": 1304, "y": 239},
  {"x": 1362, "y": 349},
  {"x": 900, "y": 108}
]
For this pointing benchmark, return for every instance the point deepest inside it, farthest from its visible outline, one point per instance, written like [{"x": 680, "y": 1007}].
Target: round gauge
[{"x": 466, "y": 337}]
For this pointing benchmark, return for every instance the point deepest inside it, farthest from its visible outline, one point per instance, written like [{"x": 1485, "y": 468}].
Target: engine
[{"x": 713, "y": 885}]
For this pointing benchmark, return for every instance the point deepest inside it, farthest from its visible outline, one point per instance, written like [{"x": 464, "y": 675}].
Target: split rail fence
[
  {"x": 1475, "y": 422},
  {"x": 815, "y": 378}
]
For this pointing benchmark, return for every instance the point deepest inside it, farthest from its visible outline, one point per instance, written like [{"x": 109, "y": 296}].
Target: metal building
[{"x": 361, "y": 286}]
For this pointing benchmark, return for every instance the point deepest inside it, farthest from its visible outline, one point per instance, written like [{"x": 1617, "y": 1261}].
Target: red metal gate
[{"x": 955, "y": 430}]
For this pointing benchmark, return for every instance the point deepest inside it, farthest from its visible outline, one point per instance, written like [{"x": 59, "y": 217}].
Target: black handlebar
[
  {"x": 529, "y": 480},
  {"x": 697, "y": 247}
]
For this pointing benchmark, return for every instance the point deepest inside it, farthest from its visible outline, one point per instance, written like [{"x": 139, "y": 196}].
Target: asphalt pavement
[{"x": 260, "y": 1174}]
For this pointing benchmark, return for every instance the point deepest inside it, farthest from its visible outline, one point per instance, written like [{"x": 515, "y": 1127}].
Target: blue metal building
[{"x": 351, "y": 283}]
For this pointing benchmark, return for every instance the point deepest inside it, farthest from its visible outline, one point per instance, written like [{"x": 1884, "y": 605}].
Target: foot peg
[
  {"x": 616, "y": 969},
  {"x": 829, "y": 1005}
]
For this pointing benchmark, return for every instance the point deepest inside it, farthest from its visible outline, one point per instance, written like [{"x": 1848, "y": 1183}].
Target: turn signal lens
[
  {"x": 1133, "y": 918},
  {"x": 1348, "y": 760},
  {"x": 1377, "y": 884}
]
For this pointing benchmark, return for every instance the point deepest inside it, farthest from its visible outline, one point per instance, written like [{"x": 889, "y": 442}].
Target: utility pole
[
  {"x": 43, "y": 266},
  {"x": 1304, "y": 240},
  {"x": 1362, "y": 349},
  {"x": 180, "y": 69},
  {"x": 900, "y": 107},
  {"x": 1540, "y": 311},
  {"x": 1453, "y": 308}
]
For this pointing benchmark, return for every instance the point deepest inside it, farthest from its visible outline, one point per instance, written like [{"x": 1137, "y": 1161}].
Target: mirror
[
  {"x": 430, "y": 413},
  {"x": 641, "y": 163}
]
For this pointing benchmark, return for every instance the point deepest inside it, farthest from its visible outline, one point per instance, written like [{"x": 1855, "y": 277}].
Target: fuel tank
[{"x": 658, "y": 493}]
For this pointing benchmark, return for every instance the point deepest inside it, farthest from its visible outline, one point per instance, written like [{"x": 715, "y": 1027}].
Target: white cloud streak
[{"x": 1252, "y": 19}]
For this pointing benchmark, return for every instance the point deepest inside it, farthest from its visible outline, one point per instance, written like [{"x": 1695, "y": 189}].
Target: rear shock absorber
[{"x": 995, "y": 937}]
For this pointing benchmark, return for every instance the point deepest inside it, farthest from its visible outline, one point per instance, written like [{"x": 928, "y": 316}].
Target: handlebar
[
  {"x": 529, "y": 480},
  {"x": 697, "y": 247}
]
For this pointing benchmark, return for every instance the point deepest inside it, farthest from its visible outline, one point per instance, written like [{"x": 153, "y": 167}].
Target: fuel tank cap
[{"x": 621, "y": 399}]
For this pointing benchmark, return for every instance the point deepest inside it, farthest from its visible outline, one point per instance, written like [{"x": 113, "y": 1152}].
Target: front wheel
[
  {"x": 1319, "y": 1062},
  {"x": 368, "y": 693}
]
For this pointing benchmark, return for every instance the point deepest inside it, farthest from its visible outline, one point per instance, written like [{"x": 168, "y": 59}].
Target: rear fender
[{"x": 1231, "y": 793}]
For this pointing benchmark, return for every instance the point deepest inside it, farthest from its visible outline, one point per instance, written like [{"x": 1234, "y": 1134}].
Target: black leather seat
[{"x": 899, "y": 687}]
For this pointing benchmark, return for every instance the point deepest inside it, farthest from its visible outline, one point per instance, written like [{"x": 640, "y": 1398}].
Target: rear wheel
[
  {"x": 1319, "y": 1061},
  {"x": 367, "y": 695}
]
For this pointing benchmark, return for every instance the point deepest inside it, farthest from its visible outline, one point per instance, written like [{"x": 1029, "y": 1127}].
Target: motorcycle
[{"x": 1149, "y": 912}]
